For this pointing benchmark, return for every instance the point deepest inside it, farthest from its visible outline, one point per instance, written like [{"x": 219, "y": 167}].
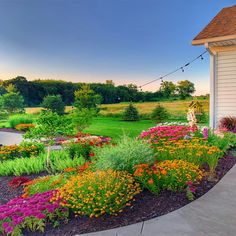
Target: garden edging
[{"x": 212, "y": 214}]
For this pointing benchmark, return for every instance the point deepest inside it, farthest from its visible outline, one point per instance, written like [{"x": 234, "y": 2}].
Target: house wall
[{"x": 224, "y": 85}]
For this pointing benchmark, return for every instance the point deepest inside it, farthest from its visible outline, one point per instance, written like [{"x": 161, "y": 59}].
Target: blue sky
[{"x": 128, "y": 41}]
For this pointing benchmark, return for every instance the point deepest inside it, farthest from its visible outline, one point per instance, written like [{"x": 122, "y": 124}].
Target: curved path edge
[{"x": 213, "y": 214}]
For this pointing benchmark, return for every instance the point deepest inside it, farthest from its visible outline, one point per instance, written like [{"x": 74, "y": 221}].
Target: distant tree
[
  {"x": 168, "y": 89},
  {"x": 54, "y": 103},
  {"x": 131, "y": 113},
  {"x": 2, "y": 90},
  {"x": 12, "y": 102},
  {"x": 11, "y": 88},
  {"x": 86, "y": 98},
  {"x": 185, "y": 88},
  {"x": 159, "y": 114}
]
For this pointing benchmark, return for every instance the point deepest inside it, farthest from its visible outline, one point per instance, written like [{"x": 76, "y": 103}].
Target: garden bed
[{"x": 146, "y": 205}]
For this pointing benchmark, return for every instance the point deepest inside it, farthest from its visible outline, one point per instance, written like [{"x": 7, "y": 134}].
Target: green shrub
[
  {"x": 124, "y": 156},
  {"x": 54, "y": 103},
  {"x": 77, "y": 150},
  {"x": 131, "y": 113},
  {"x": 97, "y": 193},
  {"x": 159, "y": 114},
  {"x": 20, "y": 119}
]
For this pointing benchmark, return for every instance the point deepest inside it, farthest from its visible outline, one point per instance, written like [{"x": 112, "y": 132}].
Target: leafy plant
[
  {"x": 131, "y": 113},
  {"x": 123, "y": 156},
  {"x": 20, "y": 119},
  {"x": 229, "y": 123},
  {"x": 159, "y": 114},
  {"x": 171, "y": 175},
  {"x": 96, "y": 193},
  {"x": 44, "y": 184},
  {"x": 18, "y": 181}
]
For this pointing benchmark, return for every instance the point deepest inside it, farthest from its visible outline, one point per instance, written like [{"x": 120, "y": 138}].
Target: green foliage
[
  {"x": 50, "y": 125},
  {"x": 185, "y": 88},
  {"x": 159, "y": 114},
  {"x": 54, "y": 103},
  {"x": 82, "y": 118},
  {"x": 12, "y": 102},
  {"x": 20, "y": 119},
  {"x": 60, "y": 160},
  {"x": 131, "y": 113},
  {"x": 44, "y": 184},
  {"x": 77, "y": 150},
  {"x": 124, "y": 156},
  {"x": 86, "y": 98},
  {"x": 168, "y": 89}
]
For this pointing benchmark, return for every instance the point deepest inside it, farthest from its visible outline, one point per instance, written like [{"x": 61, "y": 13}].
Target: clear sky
[{"x": 128, "y": 41}]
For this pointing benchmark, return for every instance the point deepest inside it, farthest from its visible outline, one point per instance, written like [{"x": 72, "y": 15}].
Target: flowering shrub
[
  {"x": 97, "y": 193},
  {"x": 26, "y": 149},
  {"x": 173, "y": 132},
  {"x": 195, "y": 150},
  {"x": 30, "y": 213},
  {"x": 24, "y": 127},
  {"x": 171, "y": 175},
  {"x": 44, "y": 184},
  {"x": 18, "y": 181}
]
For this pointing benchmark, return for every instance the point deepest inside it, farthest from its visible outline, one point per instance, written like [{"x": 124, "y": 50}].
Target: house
[{"x": 219, "y": 37}]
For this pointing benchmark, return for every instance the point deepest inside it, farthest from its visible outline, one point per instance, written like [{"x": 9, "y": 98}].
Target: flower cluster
[
  {"x": 15, "y": 151},
  {"x": 97, "y": 193},
  {"x": 24, "y": 127},
  {"x": 32, "y": 213},
  {"x": 171, "y": 175},
  {"x": 195, "y": 150},
  {"x": 173, "y": 132}
]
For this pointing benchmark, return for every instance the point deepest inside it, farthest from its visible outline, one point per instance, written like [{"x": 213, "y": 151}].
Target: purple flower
[
  {"x": 205, "y": 133},
  {"x": 9, "y": 229}
]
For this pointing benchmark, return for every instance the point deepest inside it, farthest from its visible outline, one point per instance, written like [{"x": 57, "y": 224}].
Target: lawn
[{"x": 115, "y": 127}]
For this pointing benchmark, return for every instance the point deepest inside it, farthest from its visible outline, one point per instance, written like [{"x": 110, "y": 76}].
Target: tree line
[{"x": 33, "y": 92}]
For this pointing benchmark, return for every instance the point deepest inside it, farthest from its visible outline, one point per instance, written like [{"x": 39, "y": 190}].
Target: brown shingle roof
[{"x": 223, "y": 24}]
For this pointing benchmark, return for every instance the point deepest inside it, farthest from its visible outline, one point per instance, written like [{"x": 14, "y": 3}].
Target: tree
[
  {"x": 131, "y": 113},
  {"x": 49, "y": 126},
  {"x": 54, "y": 103},
  {"x": 2, "y": 90},
  {"x": 86, "y": 98},
  {"x": 159, "y": 114},
  {"x": 185, "y": 88},
  {"x": 12, "y": 102},
  {"x": 168, "y": 89}
]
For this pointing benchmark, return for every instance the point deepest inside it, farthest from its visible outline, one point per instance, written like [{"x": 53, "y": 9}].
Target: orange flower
[
  {"x": 69, "y": 169},
  {"x": 150, "y": 181},
  {"x": 164, "y": 172}
]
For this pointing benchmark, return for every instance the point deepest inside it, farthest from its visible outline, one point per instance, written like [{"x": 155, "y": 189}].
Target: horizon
[{"x": 92, "y": 41}]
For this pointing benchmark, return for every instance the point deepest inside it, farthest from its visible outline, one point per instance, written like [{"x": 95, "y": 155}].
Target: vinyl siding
[{"x": 225, "y": 100}]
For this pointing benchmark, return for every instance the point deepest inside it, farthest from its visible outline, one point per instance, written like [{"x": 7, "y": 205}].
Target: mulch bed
[{"x": 145, "y": 206}]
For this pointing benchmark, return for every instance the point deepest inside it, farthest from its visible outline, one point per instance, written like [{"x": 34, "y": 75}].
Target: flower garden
[{"x": 93, "y": 184}]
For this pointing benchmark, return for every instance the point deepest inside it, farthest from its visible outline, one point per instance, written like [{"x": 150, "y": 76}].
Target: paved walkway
[
  {"x": 214, "y": 214},
  {"x": 7, "y": 138}
]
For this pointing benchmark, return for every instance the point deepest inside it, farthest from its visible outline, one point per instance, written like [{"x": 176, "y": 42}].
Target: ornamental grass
[
  {"x": 96, "y": 193},
  {"x": 171, "y": 175}
]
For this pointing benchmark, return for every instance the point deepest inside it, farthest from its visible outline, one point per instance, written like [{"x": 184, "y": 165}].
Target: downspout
[{"x": 213, "y": 87}]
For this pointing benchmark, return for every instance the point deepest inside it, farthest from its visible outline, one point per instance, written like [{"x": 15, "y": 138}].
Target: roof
[{"x": 222, "y": 27}]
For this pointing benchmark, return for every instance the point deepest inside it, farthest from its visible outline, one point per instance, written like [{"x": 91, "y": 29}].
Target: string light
[{"x": 174, "y": 71}]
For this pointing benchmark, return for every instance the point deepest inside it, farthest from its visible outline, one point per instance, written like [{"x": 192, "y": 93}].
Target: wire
[{"x": 174, "y": 71}]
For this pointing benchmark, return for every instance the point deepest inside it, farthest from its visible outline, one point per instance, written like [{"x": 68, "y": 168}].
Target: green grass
[{"x": 115, "y": 127}]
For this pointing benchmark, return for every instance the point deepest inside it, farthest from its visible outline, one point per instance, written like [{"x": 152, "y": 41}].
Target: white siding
[{"x": 225, "y": 94}]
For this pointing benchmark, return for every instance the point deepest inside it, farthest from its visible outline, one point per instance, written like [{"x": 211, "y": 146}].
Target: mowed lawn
[{"x": 115, "y": 127}]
